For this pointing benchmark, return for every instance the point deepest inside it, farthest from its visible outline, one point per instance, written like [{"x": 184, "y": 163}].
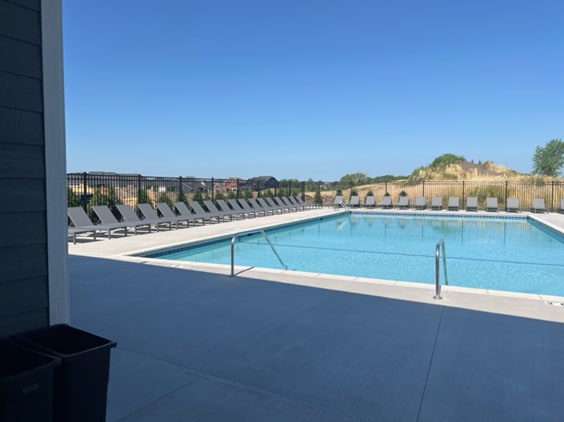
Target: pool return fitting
[{"x": 438, "y": 249}]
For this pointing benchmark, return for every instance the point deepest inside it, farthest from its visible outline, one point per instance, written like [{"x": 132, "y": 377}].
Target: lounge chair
[
  {"x": 149, "y": 213},
  {"x": 354, "y": 201},
  {"x": 242, "y": 206},
  {"x": 185, "y": 212},
  {"x": 283, "y": 200},
  {"x": 169, "y": 215},
  {"x": 338, "y": 202},
  {"x": 272, "y": 204},
  {"x": 561, "y": 208},
  {"x": 472, "y": 203},
  {"x": 453, "y": 203},
  {"x": 81, "y": 223},
  {"x": 240, "y": 213},
  {"x": 538, "y": 205},
  {"x": 292, "y": 201},
  {"x": 491, "y": 204},
  {"x": 302, "y": 202},
  {"x": 513, "y": 205},
  {"x": 107, "y": 218},
  {"x": 216, "y": 211},
  {"x": 250, "y": 207},
  {"x": 202, "y": 213},
  {"x": 128, "y": 214},
  {"x": 369, "y": 201},
  {"x": 386, "y": 201},
  {"x": 420, "y": 203},
  {"x": 403, "y": 202},
  {"x": 437, "y": 203},
  {"x": 261, "y": 205}
]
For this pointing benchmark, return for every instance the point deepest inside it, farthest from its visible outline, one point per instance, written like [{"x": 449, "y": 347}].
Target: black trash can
[
  {"x": 26, "y": 384},
  {"x": 81, "y": 381}
]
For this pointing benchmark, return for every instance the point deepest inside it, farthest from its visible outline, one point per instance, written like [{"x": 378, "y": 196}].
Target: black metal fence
[{"x": 88, "y": 189}]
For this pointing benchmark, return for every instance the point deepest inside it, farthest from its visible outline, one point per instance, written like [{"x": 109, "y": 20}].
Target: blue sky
[{"x": 309, "y": 88}]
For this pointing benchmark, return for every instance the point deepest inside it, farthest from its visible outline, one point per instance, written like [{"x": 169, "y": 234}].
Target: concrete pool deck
[{"x": 197, "y": 345}]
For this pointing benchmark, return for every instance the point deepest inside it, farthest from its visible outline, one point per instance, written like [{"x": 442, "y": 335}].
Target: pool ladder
[
  {"x": 236, "y": 236},
  {"x": 438, "y": 249}
]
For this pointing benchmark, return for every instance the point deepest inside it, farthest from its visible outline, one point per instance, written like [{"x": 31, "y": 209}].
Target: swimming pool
[{"x": 490, "y": 252}]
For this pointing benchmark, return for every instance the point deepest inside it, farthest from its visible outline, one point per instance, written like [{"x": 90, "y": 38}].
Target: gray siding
[{"x": 23, "y": 239}]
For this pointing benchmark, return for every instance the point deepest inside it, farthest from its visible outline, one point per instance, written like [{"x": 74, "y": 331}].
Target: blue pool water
[{"x": 513, "y": 254}]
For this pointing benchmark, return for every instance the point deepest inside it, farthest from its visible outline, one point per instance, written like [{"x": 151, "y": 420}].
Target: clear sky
[{"x": 309, "y": 88}]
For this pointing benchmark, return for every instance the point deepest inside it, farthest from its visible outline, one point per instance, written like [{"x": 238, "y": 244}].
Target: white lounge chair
[
  {"x": 472, "y": 203},
  {"x": 491, "y": 204},
  {"x": 420, "y": 203},
  {"x": 437, "y": 203},
  {"x": 403, "y": 202},
  {"x": 538, "y": 205},
  {"x": 150, "y": 214},
  {"x": 369, "y": 201},
  {"x": 453, "y": 203},
  {"x": 81, "y": 223},
  {"x": 561, "y": 208},
  {"x": 338, "y": 201},
  {"x": 354, "y": 201},
  {"x": 513, "y": 205},
  {"x": 386, "y": 201}
]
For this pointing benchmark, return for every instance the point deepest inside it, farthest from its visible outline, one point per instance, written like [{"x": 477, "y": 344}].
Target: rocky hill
[{"x": 451, "y": 167}]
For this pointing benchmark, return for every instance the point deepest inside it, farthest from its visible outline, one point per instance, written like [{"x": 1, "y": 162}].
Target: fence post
[
  {"x": 552, "y": 197},
  {"x": 423, "y": 194},
  {"x": 84, "y": 193},
  {"x": 463, "y": 193},
  {"x": 138, "y": 189},
  {"x": 212, "y": 188},
  {"x": 506, "y": 190},
  {"x": 237, "y": 193}
]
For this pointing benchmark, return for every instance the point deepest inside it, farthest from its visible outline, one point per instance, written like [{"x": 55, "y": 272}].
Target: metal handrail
[
  {"x": 234, "y": 238},
  {"x": 440, "y": 245}
]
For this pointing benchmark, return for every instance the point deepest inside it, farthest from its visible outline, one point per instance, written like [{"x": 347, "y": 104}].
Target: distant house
[
  {"x": 262, "y": 182},
  {"x": 226, "y": 186}
]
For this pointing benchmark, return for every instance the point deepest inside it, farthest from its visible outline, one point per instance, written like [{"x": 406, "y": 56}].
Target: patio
[{"x": 197, "y": 345}]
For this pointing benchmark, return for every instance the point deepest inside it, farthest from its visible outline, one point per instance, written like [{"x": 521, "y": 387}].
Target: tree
[{"x": 548, "y": 160}]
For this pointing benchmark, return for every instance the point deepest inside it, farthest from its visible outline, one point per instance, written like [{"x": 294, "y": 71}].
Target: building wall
[{"x": 24, "y": 242}]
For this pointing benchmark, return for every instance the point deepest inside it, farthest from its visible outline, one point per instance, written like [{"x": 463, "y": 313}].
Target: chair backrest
[
  {"x": 538, "y": 203},
  {"x": 403, "y": 201},
  {"x": 472, "y": 202},
  {"x": 338, "y": 200},
  {"x": 195, "y": 205},
  {"x": 235, "y": 205},
  {"x": 419, "y": 201},
  {"x": 165, "y": 210},
  {"x": 355, "y": 200},
  {"x": 78, "y": 217},
  {"x": 148, "y": 211},
  {"x": 436, "y": 201},
  {"x": 386, "y": 200},
  {"x": 224, "y": 206},
  {"x": 182, "y": 209},
  {"x": 369, "y": 201},
  {"x": 491, "y": 203},
  {"x": 128, "y": 213},
  {"x": 513, "y": 203},
  {"x": 453, "y": 202},
  {"x": 104, "y": 214}
]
